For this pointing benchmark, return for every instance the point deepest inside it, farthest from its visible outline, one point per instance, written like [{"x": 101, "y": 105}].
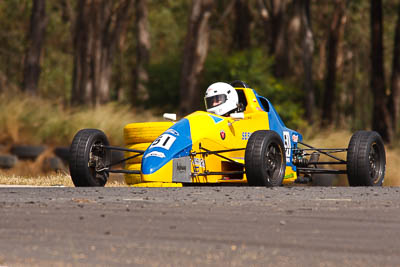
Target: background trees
[
  {"x": 308, "y": 57},
  {"x": 195, "y": 53},
  {"x": 35, "y": 40},
  {"x": 99, "y": 26}
]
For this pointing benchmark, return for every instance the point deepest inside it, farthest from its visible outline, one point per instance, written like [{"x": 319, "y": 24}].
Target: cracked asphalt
[{"x": 200, "y": 226}]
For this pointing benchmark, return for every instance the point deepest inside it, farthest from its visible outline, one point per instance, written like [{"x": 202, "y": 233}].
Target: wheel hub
[
  {"x": 272, "y": 159},
  {"x": 374, "y": 159}
]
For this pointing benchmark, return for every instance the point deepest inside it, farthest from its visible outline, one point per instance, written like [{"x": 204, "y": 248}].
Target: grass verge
[
  {"x": 59, "y": 179},
  {"x": 30, "y": 120}
]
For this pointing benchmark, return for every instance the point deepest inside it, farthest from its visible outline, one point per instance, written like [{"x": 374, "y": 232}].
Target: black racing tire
[
  {"x": 86, "y": 156},
  {"x": 8, "y": 161},
  {"x": 265, "y": 161},
  {"x": 366, "y": 159},
  {"x": 27, "y": 151}
]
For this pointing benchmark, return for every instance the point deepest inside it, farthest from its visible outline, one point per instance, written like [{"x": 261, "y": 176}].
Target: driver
[{"x": 221, "y": 99}]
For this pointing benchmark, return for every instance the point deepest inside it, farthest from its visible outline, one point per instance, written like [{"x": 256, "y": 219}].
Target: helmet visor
[{"x": 214, "y": 101}]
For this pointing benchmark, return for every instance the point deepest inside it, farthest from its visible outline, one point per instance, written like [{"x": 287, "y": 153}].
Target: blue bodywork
[{"x": 180, "y": 148}]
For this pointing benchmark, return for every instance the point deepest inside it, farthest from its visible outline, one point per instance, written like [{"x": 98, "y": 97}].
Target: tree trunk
[
  {"x": 140, "y": 92},
  {"x": 308, "y": 50},
  {"x": 394, "y": 100},
  {"x": 99, "y": 26},
  {"x": 195, "y": 53},
  {"x": 81, "y": 88},
  {"x": 35, "y": 43},
  {"x": 279, "y": 43},
  {"x": 335, "y": 37},
  {"x": 242, "y": 34},
  {"x": 380, "y": 117},
  {"x": 273, "y": 14}
]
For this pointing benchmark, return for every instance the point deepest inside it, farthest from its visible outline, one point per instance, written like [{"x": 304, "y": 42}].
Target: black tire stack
[
  {"x": 51, "y": 163},
  {"x": 17, "y": 152}
]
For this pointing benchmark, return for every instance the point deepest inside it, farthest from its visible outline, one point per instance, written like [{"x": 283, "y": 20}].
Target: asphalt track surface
[{"x": 200, "y": 226}]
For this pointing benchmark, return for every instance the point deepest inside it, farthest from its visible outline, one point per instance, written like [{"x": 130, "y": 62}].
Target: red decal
[{"x": 222, "y": 134}]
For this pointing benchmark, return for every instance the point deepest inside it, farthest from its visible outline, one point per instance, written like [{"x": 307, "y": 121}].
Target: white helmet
[{"x": 221, "y": 98}]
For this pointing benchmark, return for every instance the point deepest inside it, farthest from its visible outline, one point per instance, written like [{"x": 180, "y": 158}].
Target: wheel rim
[
  {"x": 273, "y": 160},
  {"x": 98, "y": 162},
  {"x": 375, "y": 163}
]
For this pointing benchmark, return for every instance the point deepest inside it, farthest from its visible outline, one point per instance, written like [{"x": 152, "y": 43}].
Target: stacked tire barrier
[
  {"x": 139, "y": 136},
  {"x": 54, "y": 160}
]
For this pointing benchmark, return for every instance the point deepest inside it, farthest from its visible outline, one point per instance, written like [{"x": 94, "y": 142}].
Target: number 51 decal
[{"x": 164, "y": 141}]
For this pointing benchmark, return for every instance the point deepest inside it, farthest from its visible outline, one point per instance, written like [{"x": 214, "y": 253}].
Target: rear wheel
[
  {"x": 88, "y": 159},
  {"x": 265, "y": 159},
  {"x": 366, "y": 159}
]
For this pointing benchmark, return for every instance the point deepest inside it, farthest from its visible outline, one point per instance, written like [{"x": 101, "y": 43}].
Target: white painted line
[
  {"x": 134, "y": 199},
  {"x": 334, "y": 199}
]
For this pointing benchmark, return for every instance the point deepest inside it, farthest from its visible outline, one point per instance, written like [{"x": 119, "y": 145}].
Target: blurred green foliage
[
  {"x": 254, "y": 68},
  {"x": 168, "y": 25}
]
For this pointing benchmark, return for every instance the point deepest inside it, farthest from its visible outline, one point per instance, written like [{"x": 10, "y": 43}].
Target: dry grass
[
  {"x": 27, "y": 120},
  {"x": 58, "y": 179},
  {"x": 50, "y": 180}
]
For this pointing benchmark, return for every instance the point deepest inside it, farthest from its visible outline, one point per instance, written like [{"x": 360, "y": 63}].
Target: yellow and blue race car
[{"x": 251, "y": 146}]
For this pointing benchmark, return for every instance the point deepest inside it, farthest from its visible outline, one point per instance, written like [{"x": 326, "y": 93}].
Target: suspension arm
[{"x": 323, "y": 152}]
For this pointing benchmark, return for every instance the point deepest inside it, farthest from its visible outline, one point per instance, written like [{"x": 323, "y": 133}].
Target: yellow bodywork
[{"x": 227, "y": 134}]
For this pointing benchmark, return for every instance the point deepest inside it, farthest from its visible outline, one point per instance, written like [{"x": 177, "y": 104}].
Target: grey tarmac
[{"x": 200, "y": 226}]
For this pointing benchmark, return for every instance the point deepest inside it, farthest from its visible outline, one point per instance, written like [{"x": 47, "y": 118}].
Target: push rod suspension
[
  {"x": 216, "y": 153},
  {"x": 316, "y": 170},
  {"x": 123, "y": 171},
  {"x": 206, "y": 173},
  {"x": 122, "y": 149},
  {"x": 139, "y": 152},
  {"x": 331, "y": 150},
  {"x": 326, "y": 163},
  {"x": 123, "y": 160},
  {"x": 322, "y": 152}
]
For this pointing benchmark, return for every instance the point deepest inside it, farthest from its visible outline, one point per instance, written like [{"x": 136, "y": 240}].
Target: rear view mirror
[{"x": 169, "y": 116}]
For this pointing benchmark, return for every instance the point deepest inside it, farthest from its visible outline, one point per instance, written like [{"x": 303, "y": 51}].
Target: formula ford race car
[{"x": 252, "y": 146}]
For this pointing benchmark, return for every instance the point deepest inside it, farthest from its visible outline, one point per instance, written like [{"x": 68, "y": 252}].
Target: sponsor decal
[
  {"x": 164, "y": 141},
  {"x": 288, "y": 145},
  {"x": 172, "y": 131},
  {"x": 181, "y": 168},
  {"x": 295, "y": 138},
  {"x": 216, "y": 119},
  {"x": 222, "y": 134},
  {"x": 246, "y": 135},
  {"x": 155, "y": 154},
  {"x": 199, "y": 162}
]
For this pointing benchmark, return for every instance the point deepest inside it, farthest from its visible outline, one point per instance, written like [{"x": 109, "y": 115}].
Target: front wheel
[
  {"x": 89, "y": 159},
  {"x": 366, "y": 159},
  {"x": 265, "y": 159}
]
